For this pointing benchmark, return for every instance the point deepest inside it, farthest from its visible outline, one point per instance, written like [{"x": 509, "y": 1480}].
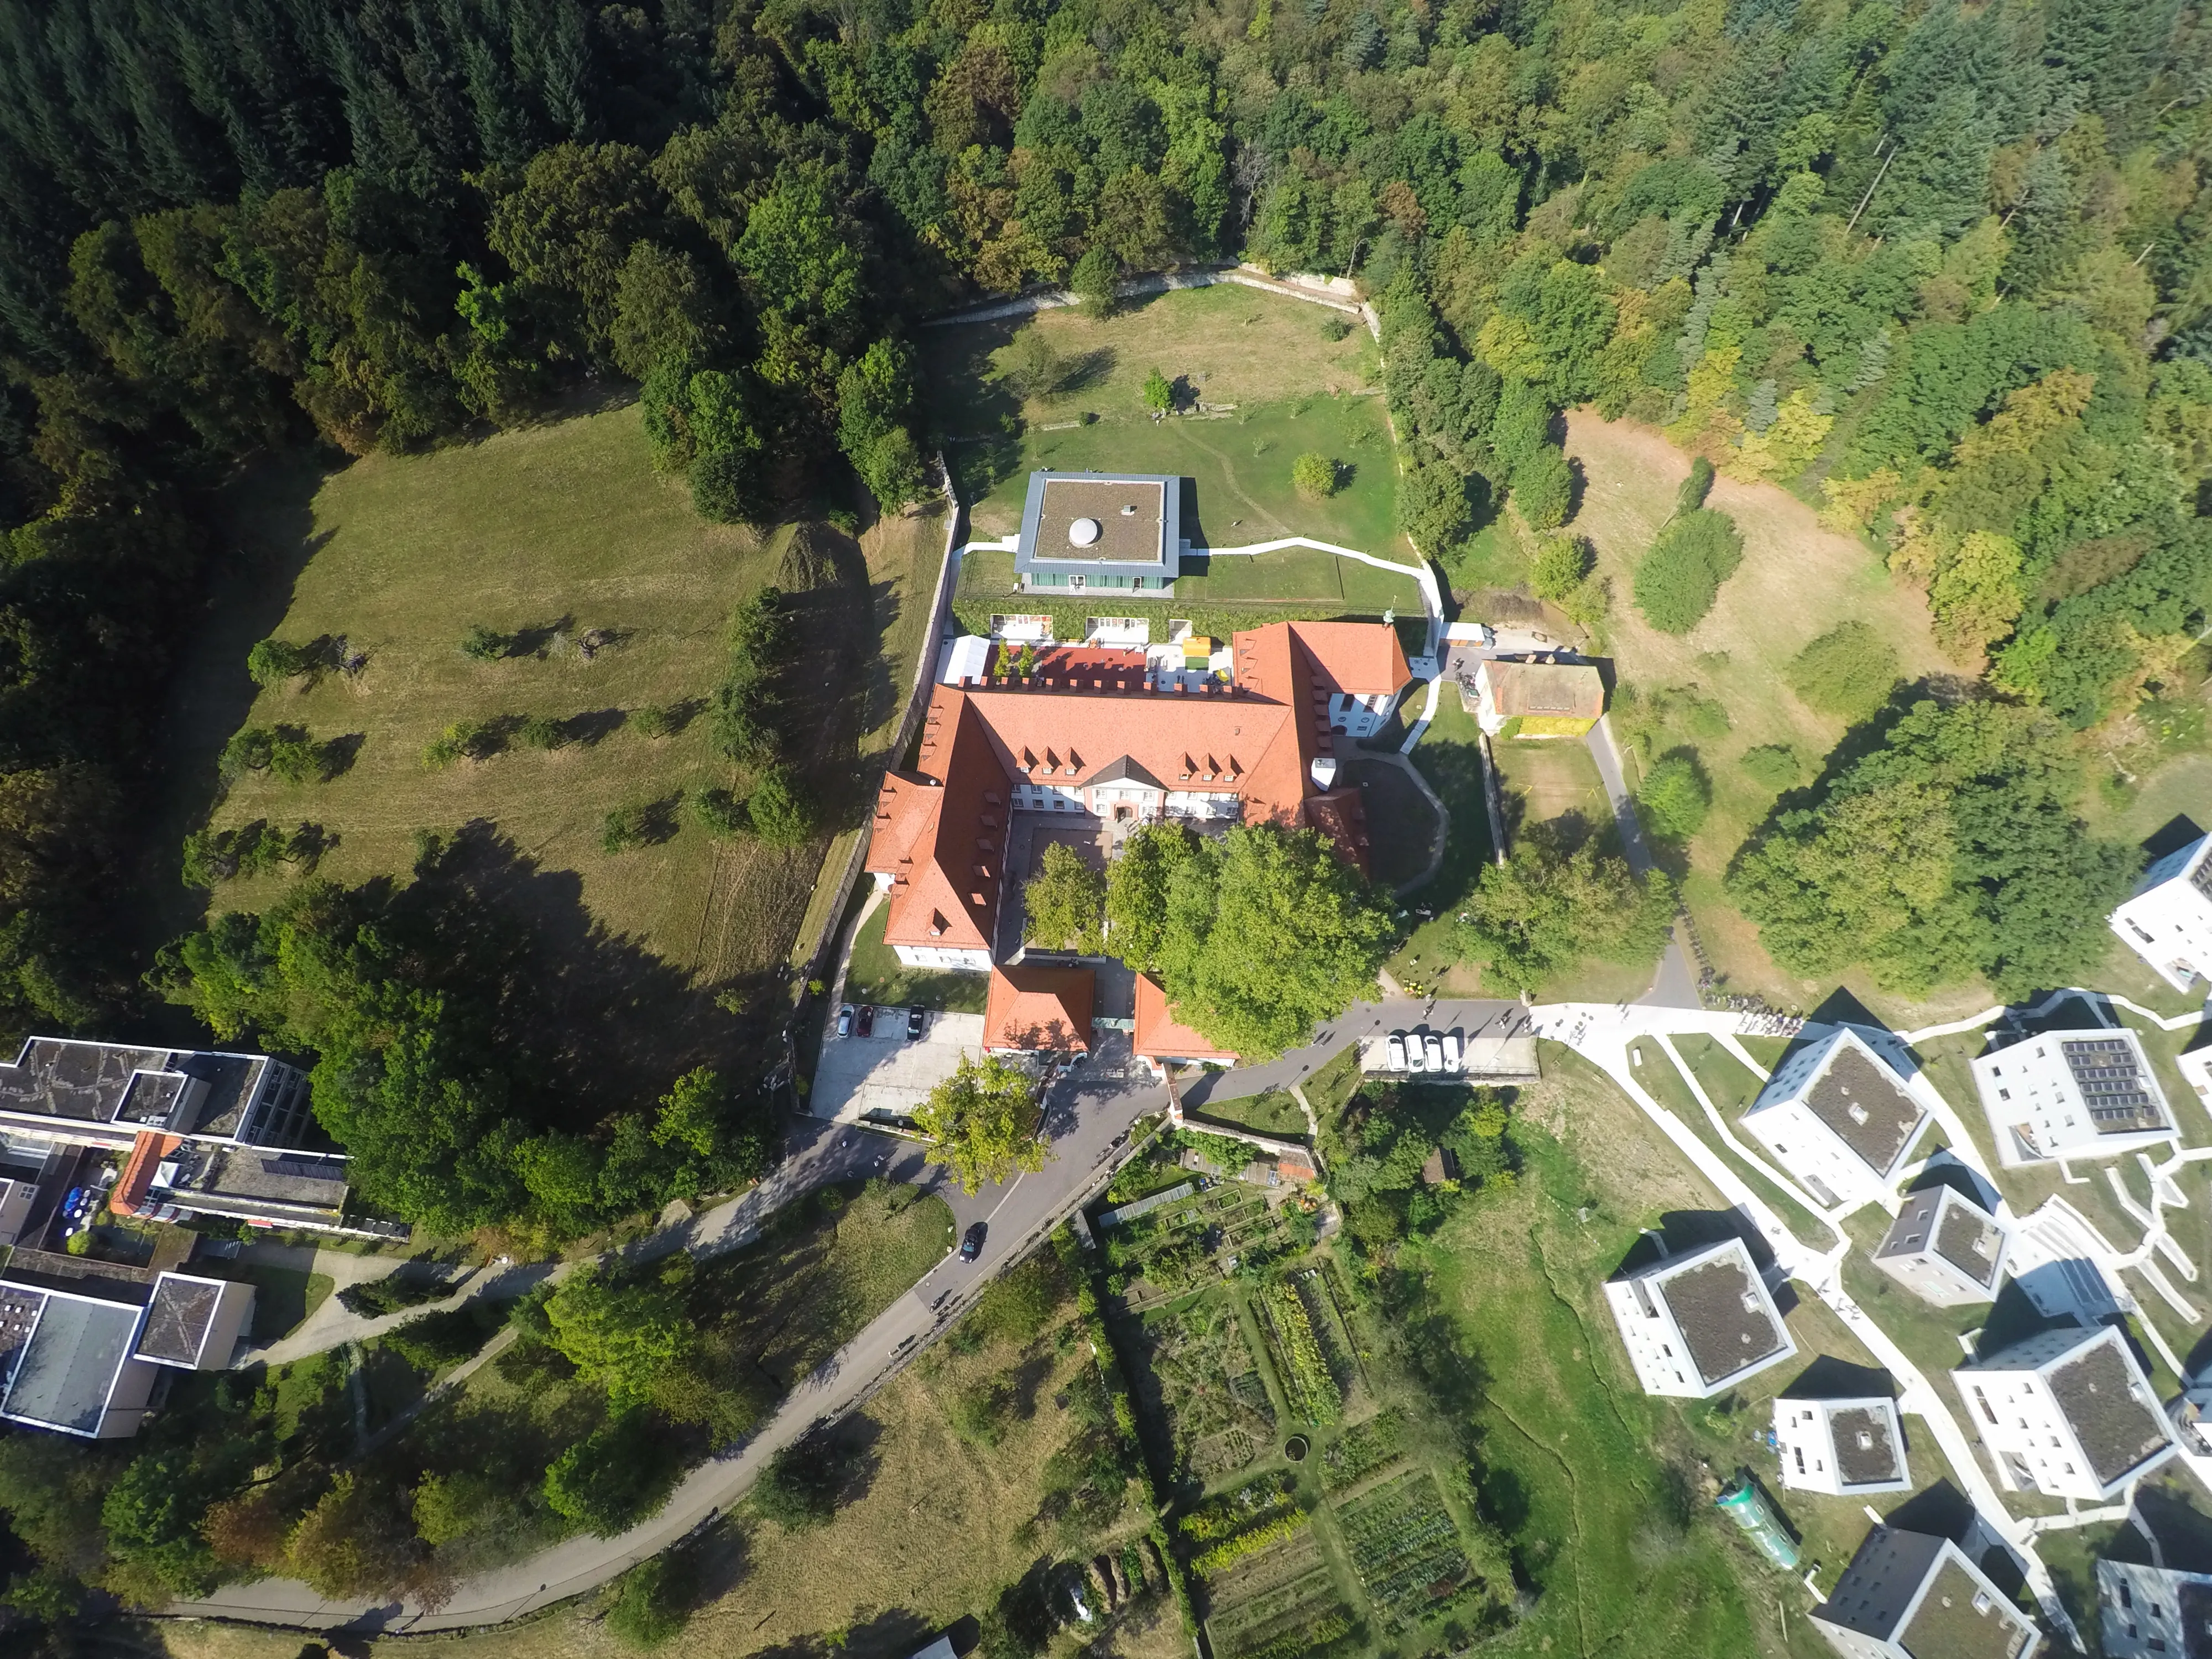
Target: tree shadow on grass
[
  {"x": 594, "y": 726},
  {"x": 589, "y": 1022}
]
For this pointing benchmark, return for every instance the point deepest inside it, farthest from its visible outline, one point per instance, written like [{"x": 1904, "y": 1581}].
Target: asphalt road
[{"x": 1088, "y": 1114}]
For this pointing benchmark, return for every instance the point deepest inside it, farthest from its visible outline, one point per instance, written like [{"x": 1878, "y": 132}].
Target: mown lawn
[
  {"x": 550, "y": 535},
  {"x": 876, "y": 975},
  {"x": 1598, "y": 1487}
]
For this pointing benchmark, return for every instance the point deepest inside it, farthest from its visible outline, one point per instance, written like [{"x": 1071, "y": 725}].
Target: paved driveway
[
  {"x": 1088, "y": 1113},
  {"x": 1471, "y": 1017},
  {"x": 884, "y": 1073}
]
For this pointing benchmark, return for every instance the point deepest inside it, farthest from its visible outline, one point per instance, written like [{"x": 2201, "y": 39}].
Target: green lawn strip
[
  {"x": 1327, "y": 1090},
  {"x": 876, "y": 975},
  {"x": 1657, "y": 1072},
  {"x": 1730, "y": 1084},
  {"x": 1766, "y": 1050},
  {"x": 1271, "y": 1113},
  {"x": 1584, "y": 1472},
  {"x": 1288, "y": 573},
  {"x": 1239, "y": 465},
  {"x": 282, "y": 1296}
]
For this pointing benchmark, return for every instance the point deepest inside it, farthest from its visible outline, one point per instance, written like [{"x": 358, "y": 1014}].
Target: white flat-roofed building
[
  {"x": 1699, "y": 1323},
  {"x": 1839, "y": 1116},
  {"x": 2143, "y": 1610},
  {"x": 1844, "y": 1448},
  {"x": 2067, "y": 1413},
  {"x": 2085, "y": 1093},
  {"x": 1944, "y": 1248},
  {"x": 1911, "y": 1595},
  {"x": 2167, "y": 920},
  {"x": 67, "y": 1363},
  {"x": 193, "y": 1323}
]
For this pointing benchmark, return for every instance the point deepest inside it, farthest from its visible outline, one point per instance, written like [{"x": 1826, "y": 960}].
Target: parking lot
[{"x": 884, "y": 1074}]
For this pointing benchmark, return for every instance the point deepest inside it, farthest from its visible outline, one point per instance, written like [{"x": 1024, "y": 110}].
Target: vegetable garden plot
[
  {"x": 1214, "y": 1403},
  {"x": 1363, "y": 1449},
  {"x": 1287, "y": 1593},
  {"x": 1329, "y": 1331},
  {"x": 1306, "y": 1380},
  {"x": 1405, "y": 1548}
]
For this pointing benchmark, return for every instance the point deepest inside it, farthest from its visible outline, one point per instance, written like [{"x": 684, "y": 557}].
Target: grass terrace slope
[{"x": 550, "y": 535}]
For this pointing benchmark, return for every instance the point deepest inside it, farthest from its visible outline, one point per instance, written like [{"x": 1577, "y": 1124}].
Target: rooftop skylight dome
[{"x": 1083, "y": 532}]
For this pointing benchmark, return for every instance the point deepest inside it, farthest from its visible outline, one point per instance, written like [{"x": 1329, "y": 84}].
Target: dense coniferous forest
[{"x": 1942, "y": 268}]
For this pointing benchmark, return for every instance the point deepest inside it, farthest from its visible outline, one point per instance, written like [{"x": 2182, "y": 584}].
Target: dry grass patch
[
  {"x": 556, "y": 535},
  {"x": 1797, "y": 582}
]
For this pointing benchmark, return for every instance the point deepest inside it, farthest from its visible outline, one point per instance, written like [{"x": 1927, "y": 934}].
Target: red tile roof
[
  {"x": 941, "y": 830},
  {"x": 1160, "y": 1035},
  {"x": 1034, "y": 1008},
  {"x": 146, "y": 1151}
]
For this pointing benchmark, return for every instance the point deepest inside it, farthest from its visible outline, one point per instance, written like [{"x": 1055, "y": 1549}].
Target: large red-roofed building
[{"x": 1089, "y": 734}]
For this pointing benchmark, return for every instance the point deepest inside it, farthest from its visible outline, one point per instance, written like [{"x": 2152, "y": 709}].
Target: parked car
[
  {"x": 971, "y": 1246},
  {"x": 845, "y": 1020},
  {"x": 915, "y": 1018},
  {"x": 1415, "y": 1061},
  {"x": 1395, "y": 1049},
  {"x": 1455, "y": 1055},
  {"x": 1435, "y": 1049},
  {"x": 867, "y": 1018}
]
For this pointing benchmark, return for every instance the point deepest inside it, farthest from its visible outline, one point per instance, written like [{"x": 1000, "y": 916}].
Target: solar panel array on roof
[{"x": 2112, "y": 1083}]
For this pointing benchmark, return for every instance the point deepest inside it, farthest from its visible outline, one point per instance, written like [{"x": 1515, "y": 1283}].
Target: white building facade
[
  {"x": 1839, "y": 1116},
  {"x": 2143, "y": 1610},
  {"x": 1844, "y": 1448},
  {"x": 2068, "y": 1413},
  {"x": 2167, "y": 920},
  {"x": 1699, "y": 1323},
  {"x": 2084, "y": 1093}
]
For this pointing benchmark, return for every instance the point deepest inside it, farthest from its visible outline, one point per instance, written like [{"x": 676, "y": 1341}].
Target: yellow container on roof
[{"x": 1197, "y": 647}]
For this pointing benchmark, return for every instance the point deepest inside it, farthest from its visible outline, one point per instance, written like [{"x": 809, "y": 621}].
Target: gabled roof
[
  {"x": 1123, "y": 770},
  {"x": 1036, "y": 1008},
  {"x": 1557, "y": 691},
  {"x": 1160, "y": 1036},
  {"x": 940, "y": 830},
  {"x": 1355, "y": 657}
]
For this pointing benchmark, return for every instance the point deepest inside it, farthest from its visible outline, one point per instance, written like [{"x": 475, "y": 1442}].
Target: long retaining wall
[{"x": 925, "y": 675}]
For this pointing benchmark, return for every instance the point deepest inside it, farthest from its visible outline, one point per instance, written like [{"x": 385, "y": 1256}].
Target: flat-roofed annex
[
  {"x": 1102, "y": 526},
  {"x": 1127, "y": 514}
]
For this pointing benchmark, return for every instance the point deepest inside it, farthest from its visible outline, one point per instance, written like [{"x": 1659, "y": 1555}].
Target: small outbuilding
[
  {"x": 1548, "y": 698},
  {"x": 1033, "y": 1009}
]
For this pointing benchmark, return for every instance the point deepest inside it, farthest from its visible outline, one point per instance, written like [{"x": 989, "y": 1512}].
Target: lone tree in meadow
[
  {"x": 1315, "y": 476},
  {"x": 982, "y": 1122},
  {"x": 1681, "y": 575},
  {"x": 1159, "y": 392}
]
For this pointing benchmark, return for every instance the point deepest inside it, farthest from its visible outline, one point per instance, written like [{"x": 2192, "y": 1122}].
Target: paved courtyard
[{"x": 885, "y": 1074}]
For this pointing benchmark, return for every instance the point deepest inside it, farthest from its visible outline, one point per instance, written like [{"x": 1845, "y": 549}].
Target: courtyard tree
[
  {"x": 1066, "y": 901},
  {"x": 982, "y": 1122},
  {"x": 1549, "y": 906},
  {"x": 1254, "y": 936}
]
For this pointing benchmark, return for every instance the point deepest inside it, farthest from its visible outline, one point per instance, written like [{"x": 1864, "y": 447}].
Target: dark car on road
[
  {"x": 867, "y": 1018},
  {"x": 914, "y": 1020},
  {"x": 972, "y": 1245}
]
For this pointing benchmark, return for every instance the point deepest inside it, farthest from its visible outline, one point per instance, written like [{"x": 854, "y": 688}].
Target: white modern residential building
[
  {"x": 1944, "y": 1248},
  {"x": 2167, "y": 920},
  {"x": 1699, "y": 1323},
  {"x": 1838, "y": 1115},
  {"x": 1909, "y": 1595},
  {"x": 2145, "y": 1610},
  {"x": 2067, "y": 1413},
  {"x": 2085, "y": 1093},
  {"x": 1844, "y": 1448}
]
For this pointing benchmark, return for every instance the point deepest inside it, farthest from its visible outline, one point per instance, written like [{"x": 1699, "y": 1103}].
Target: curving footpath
[{"x": 1099, "y": 1105}]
